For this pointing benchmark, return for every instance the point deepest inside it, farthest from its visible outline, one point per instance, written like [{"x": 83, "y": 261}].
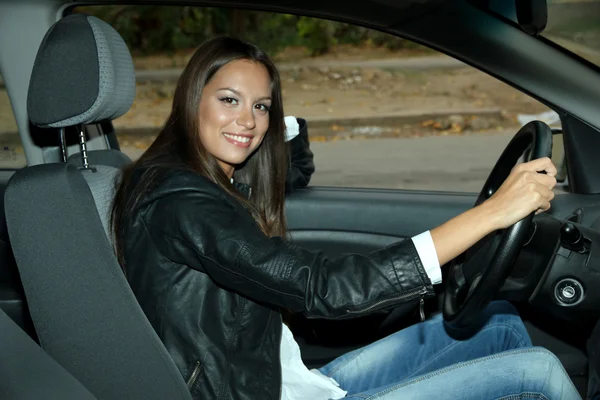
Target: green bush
[
  {"x": 271, "y": 32},
  {"x": 317, "y": 34},
  {"x": 154, "y": 29}
]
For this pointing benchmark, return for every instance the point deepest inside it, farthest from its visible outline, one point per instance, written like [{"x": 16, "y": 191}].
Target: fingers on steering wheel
[
  {"x": 543, "y": 164},
  {"x": 545, "y": 206},
  {"x": 548, "y": 181},
  {"x": 546, "y": 196}
]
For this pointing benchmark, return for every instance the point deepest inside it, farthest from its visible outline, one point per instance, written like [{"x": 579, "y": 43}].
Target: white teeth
[{"x": 241, "y": 139}]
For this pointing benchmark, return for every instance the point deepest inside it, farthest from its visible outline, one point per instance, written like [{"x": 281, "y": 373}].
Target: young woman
[{"x": 200, "y": 231}]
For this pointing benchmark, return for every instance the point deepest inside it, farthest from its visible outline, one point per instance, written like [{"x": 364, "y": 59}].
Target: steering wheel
[{"x": 475, "y": 277}]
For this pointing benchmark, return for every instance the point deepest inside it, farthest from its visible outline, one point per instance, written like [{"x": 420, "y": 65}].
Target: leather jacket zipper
[
  {"x": 381, "y": 304},
  {"x": 195, "y": 374}
]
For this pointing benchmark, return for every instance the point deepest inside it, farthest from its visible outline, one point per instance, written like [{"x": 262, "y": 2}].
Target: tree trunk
[{"x": 238, "y": 19}]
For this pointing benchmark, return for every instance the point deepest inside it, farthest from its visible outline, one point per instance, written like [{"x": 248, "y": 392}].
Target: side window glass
[
  {"x": 382, "y": 112},
  {"x": 11, "y": 150}
]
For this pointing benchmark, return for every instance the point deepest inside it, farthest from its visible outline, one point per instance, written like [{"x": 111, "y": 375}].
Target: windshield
[{"x": 575, "y": 25}]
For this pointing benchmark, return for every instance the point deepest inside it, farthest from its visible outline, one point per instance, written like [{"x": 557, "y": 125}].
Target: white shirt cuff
[
  {"x": 292, "y": 127},
  {"x": 428, "y": 255}
]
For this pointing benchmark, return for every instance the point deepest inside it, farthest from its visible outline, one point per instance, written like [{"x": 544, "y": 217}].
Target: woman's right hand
[{"x": 525, "y": 190}]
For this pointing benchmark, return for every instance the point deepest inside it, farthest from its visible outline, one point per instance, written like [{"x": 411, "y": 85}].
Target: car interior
[{"x": 73, "y": 328}]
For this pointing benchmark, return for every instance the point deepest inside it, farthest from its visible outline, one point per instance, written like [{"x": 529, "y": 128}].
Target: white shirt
[{"x": 300, "y": 383}]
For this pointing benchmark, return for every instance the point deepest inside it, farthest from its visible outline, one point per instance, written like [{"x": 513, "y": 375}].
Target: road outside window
[
  {"x": 11, "y": 151},
  {"x": 382, "y": 112}
]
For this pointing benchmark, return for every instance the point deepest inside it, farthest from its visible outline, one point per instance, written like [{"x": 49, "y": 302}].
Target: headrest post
[
  {"x": 106, "y": 140},
  {"x": 63, "y": 144},
  {"x": 83, "y": 147}
]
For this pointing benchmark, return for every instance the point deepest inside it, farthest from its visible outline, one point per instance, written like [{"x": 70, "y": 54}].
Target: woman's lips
[{"x": 239, "y": 140}]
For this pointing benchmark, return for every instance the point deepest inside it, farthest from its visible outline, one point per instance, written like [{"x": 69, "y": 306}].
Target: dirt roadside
[
  {"x": 450, "y": 101},
  {"x": 459, "y": 100}
]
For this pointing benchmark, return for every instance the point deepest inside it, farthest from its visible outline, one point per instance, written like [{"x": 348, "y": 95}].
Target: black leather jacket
[
  {"x": 212, "y": 285},
  {"x": 301, "y": 165}
]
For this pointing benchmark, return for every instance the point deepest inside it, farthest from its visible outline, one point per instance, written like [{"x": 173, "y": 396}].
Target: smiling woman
[
  {"x": 235, "y": 118},
  {"x": 201, "y": 235},
  {"x": 214, "y": 126}
]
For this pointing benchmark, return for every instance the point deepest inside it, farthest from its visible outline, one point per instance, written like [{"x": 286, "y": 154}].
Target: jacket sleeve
[
  {"x": 301, "y": 165},
  {"x": 215, "y": 236}
]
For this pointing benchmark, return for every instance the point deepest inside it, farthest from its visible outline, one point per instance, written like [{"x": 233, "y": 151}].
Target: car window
[
  {"x": 382, "y": 112},
  {"x": 575, "y": 25},
  {"x": 11, "y": 151}
]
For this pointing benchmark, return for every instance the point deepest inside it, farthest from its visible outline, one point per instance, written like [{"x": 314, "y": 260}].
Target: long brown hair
[{"x": 178, "y": 146}]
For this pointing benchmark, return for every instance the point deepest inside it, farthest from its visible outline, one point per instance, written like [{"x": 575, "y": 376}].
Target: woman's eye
[
  {"x": 229, "y": 100},
  {"x": 262, "y": 107}
]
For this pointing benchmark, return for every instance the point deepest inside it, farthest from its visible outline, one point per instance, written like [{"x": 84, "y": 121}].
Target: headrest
[{"x": 83, "y": 74}]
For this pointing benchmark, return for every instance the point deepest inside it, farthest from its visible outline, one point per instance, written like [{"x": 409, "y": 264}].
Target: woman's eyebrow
[
  {"x": 240, "y": 94},
  {"x": 231, "y": 90}
]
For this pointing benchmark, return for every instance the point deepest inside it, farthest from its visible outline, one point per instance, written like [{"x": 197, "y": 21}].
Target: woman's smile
[{"x": 239, "y": 139}]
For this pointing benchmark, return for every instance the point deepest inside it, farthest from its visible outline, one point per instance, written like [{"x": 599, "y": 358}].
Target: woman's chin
[{"x": 234, "y": 161}]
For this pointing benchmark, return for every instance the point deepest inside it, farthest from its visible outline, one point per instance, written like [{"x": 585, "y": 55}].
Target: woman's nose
[{"x": 246, "y": 119}]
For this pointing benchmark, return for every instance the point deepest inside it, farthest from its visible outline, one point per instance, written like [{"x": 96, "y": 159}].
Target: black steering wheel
[{"x": 475, "y": 277}]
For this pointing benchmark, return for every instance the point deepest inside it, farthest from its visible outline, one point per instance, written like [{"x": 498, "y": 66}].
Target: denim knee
[
  {"x": 546, "y": 367},
  {"x": 503, "y": 313},
  {"x": 499, "y": 315},
  {"x": 501, "y": 307}
]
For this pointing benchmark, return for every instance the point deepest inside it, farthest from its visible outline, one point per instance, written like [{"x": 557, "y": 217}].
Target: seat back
[
  {"x": 101, "y": 178},
  {"x": 84, "y": 312},
  {"x": 27, "y": 373},
  {"x": 101, "y": 181}
]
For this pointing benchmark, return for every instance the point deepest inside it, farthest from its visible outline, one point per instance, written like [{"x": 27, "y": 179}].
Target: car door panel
[{"x": 336, "y": 220}]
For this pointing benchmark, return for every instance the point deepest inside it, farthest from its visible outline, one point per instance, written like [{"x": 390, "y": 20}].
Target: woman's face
[{"x": 234, "y": 112}]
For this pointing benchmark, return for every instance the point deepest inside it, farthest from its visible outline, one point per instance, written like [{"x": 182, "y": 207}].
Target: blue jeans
[{"x": 423, "y": 362}]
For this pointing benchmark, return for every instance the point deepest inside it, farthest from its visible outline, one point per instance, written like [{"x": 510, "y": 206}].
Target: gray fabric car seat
[
  {"x": 100, "y": 86},
  {"x": 107, "y": 165},
  {"x": 110, "y": 157},
  {"x": 82, "y": 307},
  {"x": 27, "y": 373}
]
